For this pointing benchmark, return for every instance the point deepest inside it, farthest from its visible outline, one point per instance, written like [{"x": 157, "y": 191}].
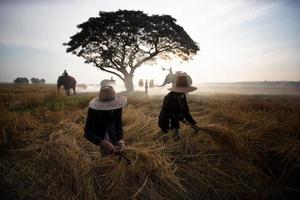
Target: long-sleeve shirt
[
  {"x": 101, "y": 122},
  {"x": 175, "y": 108}
]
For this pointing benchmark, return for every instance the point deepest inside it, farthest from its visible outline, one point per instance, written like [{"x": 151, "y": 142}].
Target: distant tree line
[
  {"x": 24, "y": 80},
  {"x": 37, "y": 81}
]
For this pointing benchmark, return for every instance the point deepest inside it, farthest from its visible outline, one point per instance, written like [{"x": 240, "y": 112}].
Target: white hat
[{"x": 108, "y": 100}]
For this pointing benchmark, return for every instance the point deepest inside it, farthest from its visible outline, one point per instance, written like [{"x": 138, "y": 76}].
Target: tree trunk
[{"x": 128, "y": 83}]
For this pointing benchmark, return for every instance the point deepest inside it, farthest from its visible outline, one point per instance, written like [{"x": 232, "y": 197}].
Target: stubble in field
[{"x": 248, "y": 148}]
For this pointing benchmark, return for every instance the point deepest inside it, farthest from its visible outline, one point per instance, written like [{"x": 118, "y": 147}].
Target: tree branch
[
  {"x": 118, "y": 66},
  {"x": 143, "y": 60},
  {"x": 123, "y": 54},
  {"x": 109, "y": 71}
]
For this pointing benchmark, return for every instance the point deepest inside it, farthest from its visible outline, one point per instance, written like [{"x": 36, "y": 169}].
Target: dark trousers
[
  {"x": 95, "y": 139},
  {"x": 167, "y": 123},
  {"x": 174, "y": 123}
]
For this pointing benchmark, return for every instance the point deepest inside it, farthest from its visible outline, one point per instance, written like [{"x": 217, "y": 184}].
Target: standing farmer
[
  {"x": 104, "y": 121},
  {"x": 176, "y": 109}
]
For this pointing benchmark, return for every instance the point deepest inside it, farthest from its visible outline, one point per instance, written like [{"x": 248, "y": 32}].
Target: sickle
[{"x": 121, "y": 154}]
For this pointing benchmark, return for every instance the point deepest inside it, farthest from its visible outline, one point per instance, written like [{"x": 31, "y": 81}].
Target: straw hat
[
  {"x": 182, "y": 85},
  {"x": 107, "y": 99}
]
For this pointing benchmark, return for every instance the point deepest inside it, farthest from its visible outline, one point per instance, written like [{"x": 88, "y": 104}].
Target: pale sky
[{"x": 239, "y": 40}]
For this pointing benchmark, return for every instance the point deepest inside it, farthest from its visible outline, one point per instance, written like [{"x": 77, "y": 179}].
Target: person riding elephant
[
  {"x": 176, "y": 109},
  {"x": 103, "y": 125},
  {"x": 65, "y": 73},
  {"x": 68, "y": 82}
]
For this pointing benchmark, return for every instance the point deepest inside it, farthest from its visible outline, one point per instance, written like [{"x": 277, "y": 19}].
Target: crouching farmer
[
  {"x": 103, "y": 125},
  {"x": 176, "y": 109}
]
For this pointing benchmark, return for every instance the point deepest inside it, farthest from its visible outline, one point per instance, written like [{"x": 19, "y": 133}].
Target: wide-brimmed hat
[
  {"x": 108, "y": 100},
  {"x": 182, "y": 85}
]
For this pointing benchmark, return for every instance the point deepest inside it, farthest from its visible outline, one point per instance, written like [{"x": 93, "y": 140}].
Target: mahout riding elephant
[{"x": 68, "y": 82}]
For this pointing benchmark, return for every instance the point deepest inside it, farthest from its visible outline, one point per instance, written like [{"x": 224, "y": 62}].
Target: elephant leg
[
  {"x": 74, "y": 90},
  {"x": 68, "y": 92}
]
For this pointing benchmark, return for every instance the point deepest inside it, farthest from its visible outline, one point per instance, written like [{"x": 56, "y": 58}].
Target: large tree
[{"x": 120, "y": 42}]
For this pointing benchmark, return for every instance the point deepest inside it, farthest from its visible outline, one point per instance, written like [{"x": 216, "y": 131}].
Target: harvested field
[{"x": 248, "y": 148}]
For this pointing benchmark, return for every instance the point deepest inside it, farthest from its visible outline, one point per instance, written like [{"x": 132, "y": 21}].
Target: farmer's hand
[
  {"x": 121, "y": 145},
  {"x": 107, "y": 147},
  {"x": 195, "y": 127}
]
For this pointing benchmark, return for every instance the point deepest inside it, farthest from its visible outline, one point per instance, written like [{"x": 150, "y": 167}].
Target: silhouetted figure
[
  {"x": 103, "y": 125},
  {"x": 146, "y": 87},
  {"x": 65, "y": 73},
  {"x": 176, "y": 109}
]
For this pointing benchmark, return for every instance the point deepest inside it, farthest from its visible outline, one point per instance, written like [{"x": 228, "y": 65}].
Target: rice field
[{"x": 248, "y": 148}]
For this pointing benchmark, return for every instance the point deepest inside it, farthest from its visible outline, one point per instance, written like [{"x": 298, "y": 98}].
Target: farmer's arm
[
  {"x": 118, "y": 124},
  {"x": 186, "y": 112}
]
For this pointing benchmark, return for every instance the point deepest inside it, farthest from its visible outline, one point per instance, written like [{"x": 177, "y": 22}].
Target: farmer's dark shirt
[
  {"x": 100, "y": 122},
  {"x": 174, "y": 109}
]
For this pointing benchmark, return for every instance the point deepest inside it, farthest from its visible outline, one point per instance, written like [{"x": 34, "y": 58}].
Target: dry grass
[{"x": 248, "y": 148}]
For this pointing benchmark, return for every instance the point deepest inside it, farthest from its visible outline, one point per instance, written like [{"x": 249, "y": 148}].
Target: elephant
[
  {"x": 171, "y": 78},
  {"x": 68, "y": 82}
]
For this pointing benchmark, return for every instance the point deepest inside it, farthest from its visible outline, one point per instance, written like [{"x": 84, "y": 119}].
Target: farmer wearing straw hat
[
  {"x": 104, "y": 121},
  {"x": 175, "y": 107}
]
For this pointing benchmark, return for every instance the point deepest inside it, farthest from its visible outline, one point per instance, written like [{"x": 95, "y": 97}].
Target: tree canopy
[
  {"x": 37, "y": 81},
  {"x": 120, "y": 42},
  {"x": 21, "y": 80}
]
